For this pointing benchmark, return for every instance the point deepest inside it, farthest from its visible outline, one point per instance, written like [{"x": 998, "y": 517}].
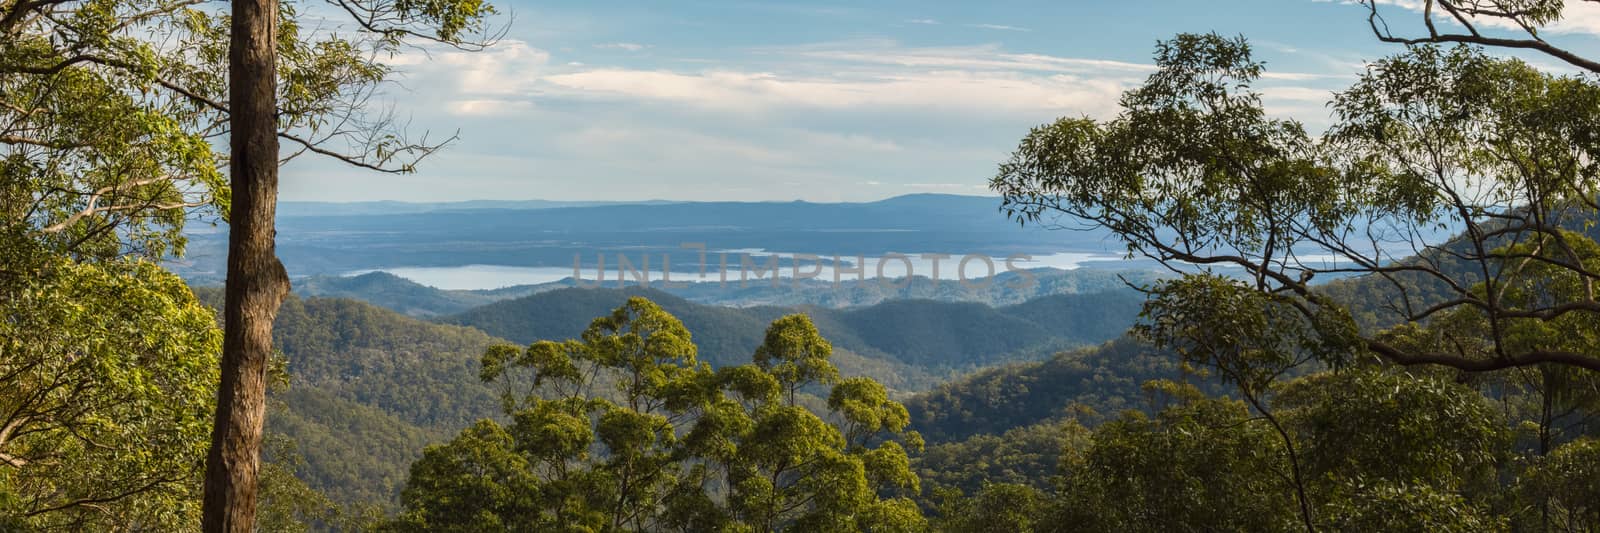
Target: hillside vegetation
[
  {"x": 367, "y": 389},
  {"x": 924, "y": 338}
]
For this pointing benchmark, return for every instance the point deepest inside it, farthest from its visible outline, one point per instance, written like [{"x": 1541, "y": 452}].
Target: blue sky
[{"x": 732, "y": 100}]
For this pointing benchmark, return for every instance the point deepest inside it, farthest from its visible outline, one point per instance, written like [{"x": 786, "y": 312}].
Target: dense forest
[
  {"x": 365, "y": 389},
  {"x": 1310, "y": 357}
]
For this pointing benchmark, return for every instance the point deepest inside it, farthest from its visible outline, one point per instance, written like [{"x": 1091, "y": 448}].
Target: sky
[{"x": 817, "y": 101}]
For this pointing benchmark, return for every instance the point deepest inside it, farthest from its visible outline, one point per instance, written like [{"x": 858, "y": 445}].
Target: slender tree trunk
[
  {"x": 1294, "y": 462},
  {"x": 256, "y": 282}
]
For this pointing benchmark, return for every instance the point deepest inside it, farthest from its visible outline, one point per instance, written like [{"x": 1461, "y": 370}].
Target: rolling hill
[
  {"x": 921, "y": 338},
  {"x": 369, "y": 388}
]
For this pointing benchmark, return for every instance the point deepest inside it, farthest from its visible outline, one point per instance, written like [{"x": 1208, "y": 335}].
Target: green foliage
[
  {"x": 997, "y": 508},
  {"x": 1194, "y": 118},
  {"x": 476, "y": 482},
  {"x": 1194, "y": 172},
  {"x": 109, "y": 383},
  {"x": 1024, "y": 456},
  {"x": 1382, "y": 450},
  {"x": 625, "y": 429},
  {"x": 795, "y": 354},
  {"x": 1251, "y": 338},
  {"x": 1400, "y": 506},
  {"x": 1566, "y": 484},
  {"x": 1200, "y": 465},
  {"x": 1395, "y": 427}
]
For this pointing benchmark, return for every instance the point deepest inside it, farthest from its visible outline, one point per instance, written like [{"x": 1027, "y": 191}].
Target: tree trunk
[{"x": 256, "y": 282}]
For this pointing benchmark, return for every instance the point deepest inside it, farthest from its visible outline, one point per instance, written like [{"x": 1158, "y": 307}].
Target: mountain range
[{"x": 336, "y": 239}]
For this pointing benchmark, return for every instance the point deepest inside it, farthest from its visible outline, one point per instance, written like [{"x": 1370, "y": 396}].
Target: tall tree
[
  {"x": 110, "y": 113},
  {"x": 1193, "y": 172},
  {"x": 257, "y": 282}
]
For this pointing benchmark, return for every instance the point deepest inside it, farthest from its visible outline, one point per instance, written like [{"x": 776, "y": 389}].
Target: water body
[{"x": 480, "y": 277}]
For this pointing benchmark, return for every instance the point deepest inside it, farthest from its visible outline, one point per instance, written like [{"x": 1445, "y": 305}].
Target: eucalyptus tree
[
  {"x": 1563, "y": 486},
  {"x": 1193, "y": 172},
  {"x": 112, "y": 114},
  {"x": 107, "y": 383},
  {"x": 624, "y": 429},
  {"x": 1386, "y": 449},
  {"x": 1199, "y": 464}
]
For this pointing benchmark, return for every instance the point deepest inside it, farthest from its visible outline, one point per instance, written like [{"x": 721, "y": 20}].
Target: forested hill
[
  {"x": 369, "y": 389},
  {"x": 394, "y": 293},
  {"x": 1029, "y": 400},
  {"x": 1088, "y": 384},
  {"x": 929, "y": 335}
]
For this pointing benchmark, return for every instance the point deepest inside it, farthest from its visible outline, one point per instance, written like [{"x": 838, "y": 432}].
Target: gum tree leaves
[
  {"x": 106, "y": 404},
  {"x": 625, "y": 430}
]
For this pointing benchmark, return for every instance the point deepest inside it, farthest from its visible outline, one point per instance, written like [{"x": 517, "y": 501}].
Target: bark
[{"x": 256, "y": 283}]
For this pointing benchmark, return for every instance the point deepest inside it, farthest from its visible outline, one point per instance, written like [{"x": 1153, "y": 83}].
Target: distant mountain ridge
[
  {"x": 298, "y": 208},
  {"x": 414, "y": 299},
  {"x": 331, "y": 239}
]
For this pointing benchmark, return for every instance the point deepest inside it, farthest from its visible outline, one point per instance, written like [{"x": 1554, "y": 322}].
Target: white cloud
[
  {"x": 1308, "y": 76},
  {"x": 946, "y": 89},
  {"x": 874, "y": 75},
  {"x": 1579, "y": 17},
  {"x": 487, "y": 106},
  {"x": 884, "y": 74},
  {"x": 631, "y": 47},
  {"x": 849, "y": 141},
  {"x": 506, "y": 69},
  {"x": 922, "y": 21},
  {"x": 645, "y": 145},
  {"x": 830, "y": 116},
  {"x": 985, "y": 57}
]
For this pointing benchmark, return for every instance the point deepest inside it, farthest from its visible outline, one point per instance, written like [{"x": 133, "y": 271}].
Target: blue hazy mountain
[
  {"x": 411, "y": 298},
  {"x": 316, "y": 238}
]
